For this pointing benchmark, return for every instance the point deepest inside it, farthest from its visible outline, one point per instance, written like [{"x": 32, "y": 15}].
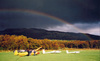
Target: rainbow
[{"x": 45, "y": 15}]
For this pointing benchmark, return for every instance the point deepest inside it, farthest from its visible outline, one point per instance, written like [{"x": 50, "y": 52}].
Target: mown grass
[{"x": 84, "y": 55}]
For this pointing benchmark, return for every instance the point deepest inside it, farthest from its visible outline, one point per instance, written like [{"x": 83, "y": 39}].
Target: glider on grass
[
  {"x": 72, "y": 52},
  {"x": 43, "y": 51},
  {"x": 26, "y": 53}
]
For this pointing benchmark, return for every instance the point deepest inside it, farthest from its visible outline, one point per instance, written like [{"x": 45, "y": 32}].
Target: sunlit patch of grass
[{"x": 5, "y": 51}]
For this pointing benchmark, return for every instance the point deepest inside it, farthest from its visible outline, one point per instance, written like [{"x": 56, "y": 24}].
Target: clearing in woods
[{"x": 84, "y": 55}]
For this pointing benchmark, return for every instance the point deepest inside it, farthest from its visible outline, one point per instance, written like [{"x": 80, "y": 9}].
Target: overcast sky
[{"x": 84, "y": 15}]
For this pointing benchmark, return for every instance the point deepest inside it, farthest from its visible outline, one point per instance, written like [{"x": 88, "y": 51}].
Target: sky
[{"x": 74, "y": 15}]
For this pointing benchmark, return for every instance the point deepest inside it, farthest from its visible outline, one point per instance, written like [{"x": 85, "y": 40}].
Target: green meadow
[{"x": 84, "y": 55}]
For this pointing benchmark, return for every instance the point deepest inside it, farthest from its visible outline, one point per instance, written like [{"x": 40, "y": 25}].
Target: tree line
[{"x": 12, "y": 42}]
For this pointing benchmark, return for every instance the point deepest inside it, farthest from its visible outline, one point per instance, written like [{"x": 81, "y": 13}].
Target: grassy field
[{"x": 84, "y": 55}]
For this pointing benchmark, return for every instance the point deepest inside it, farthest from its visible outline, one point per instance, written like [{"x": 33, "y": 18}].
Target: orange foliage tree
[{"x": 12, "y": 42}]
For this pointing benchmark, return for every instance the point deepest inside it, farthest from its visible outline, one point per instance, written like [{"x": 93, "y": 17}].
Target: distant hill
[{"x": 42, "y": 34}]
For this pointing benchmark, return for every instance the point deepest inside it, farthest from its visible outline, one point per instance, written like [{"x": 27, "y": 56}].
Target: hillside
[{"x": 42, "y": 34}]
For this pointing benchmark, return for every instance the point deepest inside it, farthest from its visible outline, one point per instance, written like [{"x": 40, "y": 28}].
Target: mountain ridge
[{"x": 43, "y": 34}]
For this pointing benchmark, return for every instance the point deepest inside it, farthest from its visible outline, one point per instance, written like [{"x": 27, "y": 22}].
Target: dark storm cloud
[
  {"x": 25, "y": 20},
  {"x": 73, "y": 11},
  {"x": 85, "y": 26}
]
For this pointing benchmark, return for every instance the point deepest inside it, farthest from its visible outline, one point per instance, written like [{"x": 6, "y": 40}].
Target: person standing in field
[
  {"x": 28, "y": 52},
  {"x": 34, "y": 52}
]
